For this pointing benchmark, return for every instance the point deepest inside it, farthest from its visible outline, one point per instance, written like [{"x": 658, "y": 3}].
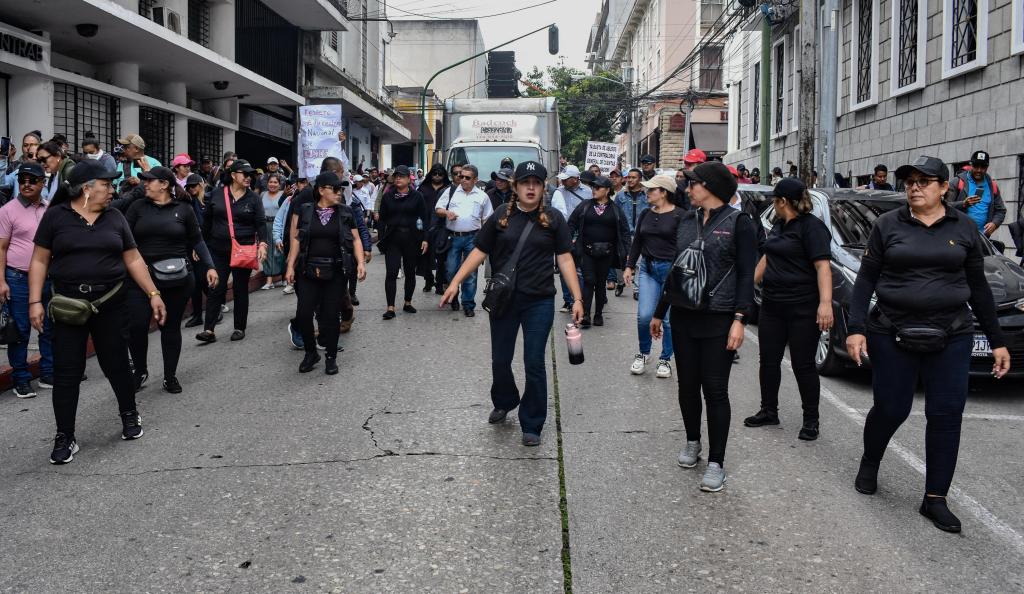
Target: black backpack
[{"x": 689, "y": 274}]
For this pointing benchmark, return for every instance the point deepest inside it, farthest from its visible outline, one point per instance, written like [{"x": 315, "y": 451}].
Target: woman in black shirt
[
  {"x": 796, "y": 303},
  {"x": 602, "y": 244},
  {"x": 250, "y": 227},
  {"x": 925, "y": 263},
  {"x": 403, "y": 217},
  {"x": 707, "y": 332},
  {"x": 167, "y": 233},
  {"x": 532, "y": 304},
  {"x": 88, "y": 251},
  {"x": 325, "y": 241},
  {"x": 650, "y": 258}
]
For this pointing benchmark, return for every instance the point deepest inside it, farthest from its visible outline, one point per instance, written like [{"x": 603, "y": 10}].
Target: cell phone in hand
[{"x": 5, "y": 146}]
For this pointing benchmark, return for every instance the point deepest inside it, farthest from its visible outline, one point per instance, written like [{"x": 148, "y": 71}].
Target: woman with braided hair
[{"x": 545, "y": 234}]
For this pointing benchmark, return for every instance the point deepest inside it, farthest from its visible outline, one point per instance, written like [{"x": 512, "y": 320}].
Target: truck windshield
[{"x": 488, "y": 158}]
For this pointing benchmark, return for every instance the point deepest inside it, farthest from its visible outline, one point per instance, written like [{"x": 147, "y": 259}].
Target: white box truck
[{"x": 485, "y": 131}]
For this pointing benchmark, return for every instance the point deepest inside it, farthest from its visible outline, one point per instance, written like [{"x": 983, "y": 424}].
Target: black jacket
[{"x": 622, "y": 237}]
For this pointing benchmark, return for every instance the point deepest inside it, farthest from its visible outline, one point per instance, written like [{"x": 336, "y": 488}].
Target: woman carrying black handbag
[
  {"x": 602, "y": 244},
  {"x": 167, "y": 232},
  {"x": 528, "y": 284}
]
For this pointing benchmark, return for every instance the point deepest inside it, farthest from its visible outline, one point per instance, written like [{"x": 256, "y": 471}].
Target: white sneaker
[
  {"x": 714, "y": 478},
  {"x": 267, "y": 287},
  {"x": 690, "y": 454},
  {"x": 664, "y": 368},
  {"x": 224, "y": 308},
  {"x": 639, "y": 363},
  {"x": 289, "y": 290},
  {"x": 400, "y": 273}
]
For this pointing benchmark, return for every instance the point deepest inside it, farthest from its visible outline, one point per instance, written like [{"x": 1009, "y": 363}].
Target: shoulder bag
[
  {"x": 242, "y": 256},
  {"x": 501, "y": 285},
  {"x": 689, "y": 272},
  {"x": 9, "y": 333},
  {"x": 76, "y": 312},
  {"x": 442, "y": 240}
]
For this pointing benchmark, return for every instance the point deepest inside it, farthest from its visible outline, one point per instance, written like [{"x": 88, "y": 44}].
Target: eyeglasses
[
  {"x": 921, "y": 183},
  {"x": 42, "y": 159},
  {"x": 26, "y": 179},
  {"x": 466, "y": 177}
]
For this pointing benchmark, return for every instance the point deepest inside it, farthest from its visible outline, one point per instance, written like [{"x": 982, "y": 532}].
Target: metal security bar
[
  {"x": 146, "y": 8},
  {"x": 780, "y": 90},
  {"x": 755, "y": 107},
  {"x": 907, "y": 42},
  {"x": 864, "y": 46},
  {"x": 199, "y": 22},
  {"x": 77, "y": 111},
  {"x": 156, "y": 127},
  {"x": 965, "y": 32},
  {"x": 204, "y": 140}
]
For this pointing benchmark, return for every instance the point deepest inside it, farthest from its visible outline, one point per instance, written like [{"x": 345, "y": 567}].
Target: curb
[{"x": 7, "y": 373}]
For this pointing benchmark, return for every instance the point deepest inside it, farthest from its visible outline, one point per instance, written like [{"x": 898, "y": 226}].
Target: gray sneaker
[
  {"x": 690, "y": 454},
  {"x": 714, "y": 478}
]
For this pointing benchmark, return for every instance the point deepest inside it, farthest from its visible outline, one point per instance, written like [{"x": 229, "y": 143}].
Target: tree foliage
[{"x": 589, "y": 108}]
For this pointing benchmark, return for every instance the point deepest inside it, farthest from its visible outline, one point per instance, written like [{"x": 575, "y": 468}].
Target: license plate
[{"x": 981, "y": 346}]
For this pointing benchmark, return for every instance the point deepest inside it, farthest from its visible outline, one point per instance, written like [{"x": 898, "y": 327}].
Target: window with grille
[
  {"x": 204, "y": 140},
  {"x": 864, "y": 53},
  {"x": 779, "y": 87},
  {"x": 711, "y": 67},
  {"x": 710, "y": 10},
  {"x": 146, "y": 8},
  {"x": 332, "y": 40},
  {"x": 965, "y": 31},
  {"x": 755, "y": 103},
  {"x": 908, "y": 23},
  {"x": 156, "y": 127},
  {"x": 77, "y": 111},
  {"x": 964, "y": 36},
  {"x": 199, "y": 22},
  {"x": 365, "y": 30}
]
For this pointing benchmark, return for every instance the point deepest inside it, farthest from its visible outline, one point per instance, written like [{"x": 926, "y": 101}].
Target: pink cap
[
  {"x": 735, "y": 172},
  {"x": 695, "y": 156},
  {"x": 182, "y": 159}
]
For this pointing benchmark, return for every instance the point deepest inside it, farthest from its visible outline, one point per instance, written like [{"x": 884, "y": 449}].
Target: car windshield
[
  {"x": 852, "y": 219},
  {"x": 488, "y": 158}
]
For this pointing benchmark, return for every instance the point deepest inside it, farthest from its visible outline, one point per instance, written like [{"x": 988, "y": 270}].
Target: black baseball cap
[
  {"x": 241, "y": 166},
  {"x": 88, "y": 170},
  {"x": 930, "y": 166},
  {"x": 602, "y": 182},
  {"x": 790, "y": 188},
  {"x": 161, "y": 173},
  {"x": 979, "y": 158},
  {"x": 531, "y": 169},
  {"x": 587, "y": 176},
  {"x": 328, "y": 179},
  {"x": 504, "y": 174},
  {"x": 716, "y": 177},
  {"x": 193, "y": 179},
  {"x": 31, "y": 168},
  {"x": 402, "y": 171},
  {"x": 647, "y": 159}
]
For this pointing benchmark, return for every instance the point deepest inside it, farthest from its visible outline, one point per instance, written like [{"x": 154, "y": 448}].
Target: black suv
[{"x": 849, "y": 215}]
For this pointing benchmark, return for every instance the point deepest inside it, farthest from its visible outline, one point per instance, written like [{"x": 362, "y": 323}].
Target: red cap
[
  {"x": 735, "y": 172},
  {"x": 695, "y": 156}
]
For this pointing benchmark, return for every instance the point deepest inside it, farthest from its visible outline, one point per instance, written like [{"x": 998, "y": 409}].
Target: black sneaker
[
  {"x": 469, "y": 312},
  {"x": 64, "y": 449},
  {"x": 867, "y": 477},
  {"x": 355, "y": 301},
  {"x": 194, "y": 321},
  {"x": 497, "y": 415},
  {"x": 24, "y": 390},
  {"x": 585, "y": 322},
  {"x": 936, "y": 510},
  {"x": 237, "y": 335},
  {"x": 206, "y": 336},
  {"x": 140, "y": 380},
  {"x": 408, "y": 308},
  {"x": 619, "y": 288},
  {"x": 598, "y": 320},
  {"x": 389, "y": 314},
  {"x": 763, "y": 417},
  {"x": 531, "y": 440},
  {"x": 172, "y": 385},
  {"x": 428, "y": 287},
  {"x": 455, "y": 306},
  {"x": 46, "y": 382},
  {"x": 809, "y": 432},
  {"x": 131, "y": 424},
  {"x": 331, "y": 365},
  {"x": 309, "y": 362}
]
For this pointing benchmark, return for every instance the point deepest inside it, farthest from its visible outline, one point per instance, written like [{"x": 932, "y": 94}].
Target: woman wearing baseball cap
[
  {"x": 532, "y": 302},
  {"x": 708, "y": 328},
  {"x": 602, "y": 244},
  {"x": 925, "y": 263}
]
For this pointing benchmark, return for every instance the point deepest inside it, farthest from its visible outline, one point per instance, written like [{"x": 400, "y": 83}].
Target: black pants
[
  {"x": 140, "y": 314},
  {"x": 795, "y": 324},
  {"x": 109, "y": 332},
  {"x": 323, "y": 299},
  {"x": 703, "y": 364},
  {"x": 895, "y": 373},
  {"x": 352, "y": 280},
  {"x": 403, "y": 249},
  {"x": 595, "y": 271},
  {"x": 240, "y": 278},
  {"x": 200, "y": 288}
]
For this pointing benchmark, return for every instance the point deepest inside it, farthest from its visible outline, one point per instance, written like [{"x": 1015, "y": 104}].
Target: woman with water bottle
[{"x": 521, "y": 239}]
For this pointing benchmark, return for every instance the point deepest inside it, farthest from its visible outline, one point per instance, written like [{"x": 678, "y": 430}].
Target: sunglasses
[
  {"x": 466, "y": 177},
  {"x": 921, "y": 183},
  {"x": 40, "y": 159},
  {"x": 30, "y": 179}
]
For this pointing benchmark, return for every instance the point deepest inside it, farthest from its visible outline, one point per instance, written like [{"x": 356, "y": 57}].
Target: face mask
[{"x": 94, "y": 156}]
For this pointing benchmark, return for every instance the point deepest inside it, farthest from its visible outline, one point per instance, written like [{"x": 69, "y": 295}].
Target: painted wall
[{"x": 421, "y": 48}]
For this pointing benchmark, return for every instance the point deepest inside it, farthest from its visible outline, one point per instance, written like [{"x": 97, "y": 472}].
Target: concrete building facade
[{"x": 422, "y": 47}]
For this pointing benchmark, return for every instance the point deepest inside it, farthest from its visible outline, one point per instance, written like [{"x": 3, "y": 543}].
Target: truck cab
[{"x": 485, "y": 131}]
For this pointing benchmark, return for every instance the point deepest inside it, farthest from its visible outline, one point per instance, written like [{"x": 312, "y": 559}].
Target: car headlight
[{"x": 1019, "y": 305}]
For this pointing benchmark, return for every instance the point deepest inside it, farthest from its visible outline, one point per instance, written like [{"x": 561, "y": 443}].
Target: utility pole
[
  {"x": 766, "y": 100},
  {"x": 829, "y": 92},
  {"x": 687, "y": 114},
  {"x": 808, "y": 57}
]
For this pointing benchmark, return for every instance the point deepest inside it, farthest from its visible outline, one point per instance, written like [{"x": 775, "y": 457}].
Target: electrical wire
[{"x": 426, "y": 16}]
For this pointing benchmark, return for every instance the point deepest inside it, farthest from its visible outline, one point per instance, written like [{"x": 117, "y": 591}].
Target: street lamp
[{"x": 586, "y": 76}]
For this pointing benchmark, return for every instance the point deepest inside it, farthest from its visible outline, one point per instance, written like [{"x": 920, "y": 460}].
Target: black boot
[
  {"x": 867, "y": 477},
  {"x": 809, "y": 432},
  {"x": 331, "y": 365},
  {"x": 936, "y": 510},
  {"x": 309, "y": 362},
  {"x": 762, "y": 418}
]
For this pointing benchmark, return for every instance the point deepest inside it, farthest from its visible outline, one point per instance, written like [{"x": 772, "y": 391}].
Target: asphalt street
[{"x": 387, "y": 477}]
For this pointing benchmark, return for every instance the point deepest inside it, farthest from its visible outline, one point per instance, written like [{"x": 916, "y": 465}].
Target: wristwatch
[
  {"x": 153, "y": 293},
  {"x": 740, "y": 318}
]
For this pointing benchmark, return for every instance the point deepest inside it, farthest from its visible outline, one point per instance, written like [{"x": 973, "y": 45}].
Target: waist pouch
[
  {"x": 76, "y": 312},
  {"x": 598, "y": 249},
  {"x": 172, "y": 272},
  {"x": 322, "y": 268},
  {"x": 920, "y": 339}
]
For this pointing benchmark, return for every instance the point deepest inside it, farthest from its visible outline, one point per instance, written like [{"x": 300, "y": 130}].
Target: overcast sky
[{"x": 573, "y": 17}]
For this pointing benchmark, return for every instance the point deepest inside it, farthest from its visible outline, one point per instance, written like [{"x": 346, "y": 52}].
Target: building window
[
  {"x": 710, "y": 10},
  {"x": 778, "y": 87},
  {"x": 711, "y": 67},
  {"x": 755, "y": 103},
  {"x": 1017, "y": 29},
  {"x": 739, "y": 113},
  {"x": 794, "y": 56},
  {"x": 864, "y": 54},
  {"x": 146, "y": 8},
  {"x": 156, "y": 127},
  {"x": 199, "y": 22},
  {"x": 964, "y": 36},
  {"x": 909, "y": 36},
  {"x": 332, "y": 40},
  {"x": 77, "y": 111},
  {"x": 204, "y": 141},
  {"x": 366, "y": 42}
]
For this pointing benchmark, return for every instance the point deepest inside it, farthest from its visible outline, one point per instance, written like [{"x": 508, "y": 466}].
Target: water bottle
[
  {"x": 574, "y": 340},
  {"x": 419, "y": 224}
]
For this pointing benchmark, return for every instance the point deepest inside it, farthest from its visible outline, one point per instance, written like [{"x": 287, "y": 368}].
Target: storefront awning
[
  {"x": 710, "y": 138},
  {"x": 412, "y": 122}
]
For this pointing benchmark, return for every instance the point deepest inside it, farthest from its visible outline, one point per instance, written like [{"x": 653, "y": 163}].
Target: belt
[
  {"x": 18, "y": 270},
  {"x": 83, "y": 288},
  {"x": 464, "y": 233}
]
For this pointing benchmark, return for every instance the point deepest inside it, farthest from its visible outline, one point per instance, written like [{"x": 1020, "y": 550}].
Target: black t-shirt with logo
[
  {"x": 791, "y": 250},
  {"x": 535, "y": 276},
  {"x": 83, "y": 253}
]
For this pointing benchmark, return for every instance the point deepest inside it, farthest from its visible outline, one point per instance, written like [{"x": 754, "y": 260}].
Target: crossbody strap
[
  {"x": 227, "y": 205},
  {"x": 108, "y": 295},
  {"x": 519, "y": 246}
]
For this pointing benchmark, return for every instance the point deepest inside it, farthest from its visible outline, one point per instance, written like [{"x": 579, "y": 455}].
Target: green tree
[{"x": 588, "y": 108}]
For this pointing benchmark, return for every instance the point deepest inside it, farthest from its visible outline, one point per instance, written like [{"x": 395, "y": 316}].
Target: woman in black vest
[
  {"x": 250, "y": 227},
  {"x": 403, "y": 216},
  {"x": 88, "y": 252},
  {"x": 167, "y": 232},
  {"x": 326, "y": 241},
  {"x": 532, "y": 303},
  {"x": 602, "y": 244},
  {"x": 708, "y": 326}
]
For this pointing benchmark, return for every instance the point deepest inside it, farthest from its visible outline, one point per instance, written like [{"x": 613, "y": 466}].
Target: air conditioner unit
[{"x": 166, "y": 17}]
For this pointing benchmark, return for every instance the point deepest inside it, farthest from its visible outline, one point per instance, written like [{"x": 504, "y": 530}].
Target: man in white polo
[{"x": 468, "y": 209}]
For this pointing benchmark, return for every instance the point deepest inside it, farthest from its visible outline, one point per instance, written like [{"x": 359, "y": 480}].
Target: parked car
[{"x": 849, "y": 215}]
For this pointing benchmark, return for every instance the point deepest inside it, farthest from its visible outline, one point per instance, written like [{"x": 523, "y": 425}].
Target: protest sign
[
  {"x": 319, "y": 126},
  {"x": 603, "y": 154}
]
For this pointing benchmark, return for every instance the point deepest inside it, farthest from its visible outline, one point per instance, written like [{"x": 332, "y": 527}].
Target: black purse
[
  {"x": 172, "y": 272},
  {"x": 321, "y": 268},
  {"x": 501, "y": 285},
  {"x": 9, "y": 333},
  {"x": 598, "y": 249},
  {"x": 921, "y": 339}
]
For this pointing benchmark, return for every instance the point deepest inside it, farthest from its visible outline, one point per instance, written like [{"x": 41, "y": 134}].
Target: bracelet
[
  {"x": 153, "y": 293},
  {"x": 34, "y": 302}
]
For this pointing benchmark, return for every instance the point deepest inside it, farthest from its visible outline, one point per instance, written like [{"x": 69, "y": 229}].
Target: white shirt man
[
  {"x": 569, "y": 195},
  {"x": 468, "y": 208},
  {"x": 361, "y": 192}
]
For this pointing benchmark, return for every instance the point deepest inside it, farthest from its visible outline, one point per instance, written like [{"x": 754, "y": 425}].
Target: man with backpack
[{"x": 977, "y": 194}]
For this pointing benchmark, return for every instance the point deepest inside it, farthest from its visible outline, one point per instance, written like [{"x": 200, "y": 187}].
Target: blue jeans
[
  {"x": 536, "y": 317},
  {"x": 462, "y": 245},
  {"x": 651, "y": 276},
  {"x": 894, "y": 377},
  {"x": 17, "y": 354},
  {"x": 566, "y": 293}
]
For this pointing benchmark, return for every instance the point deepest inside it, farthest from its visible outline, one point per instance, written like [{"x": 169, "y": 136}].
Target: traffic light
[
  {"x": 553, "y": 40},
  {"x": 747, "y": 3}
]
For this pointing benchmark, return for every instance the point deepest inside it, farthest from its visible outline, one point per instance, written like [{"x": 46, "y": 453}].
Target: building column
[
  {"x": 31, "y": 102},
  {"x": 176, "y": 93},
  {"x": 226, "y": 109},
  {"x": 126, "y": 76},
  {"x": 222, "y": 28}
]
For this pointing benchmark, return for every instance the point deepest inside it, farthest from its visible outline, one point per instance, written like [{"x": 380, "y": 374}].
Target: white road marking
[
  {"x": 978, "y": 416},
  {"x": 998, "y": 527}
]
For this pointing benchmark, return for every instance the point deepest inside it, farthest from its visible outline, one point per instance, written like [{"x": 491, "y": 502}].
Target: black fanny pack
[
  {"x": 322, "y": 268},
  {"x": 598, "y": 249},
  {"x": 920, "y": 339},
  {"x": 172, "y": 272}
]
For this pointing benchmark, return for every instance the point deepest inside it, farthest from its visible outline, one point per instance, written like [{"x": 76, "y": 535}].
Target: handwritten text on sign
[{"x": 603, "y": 154}]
